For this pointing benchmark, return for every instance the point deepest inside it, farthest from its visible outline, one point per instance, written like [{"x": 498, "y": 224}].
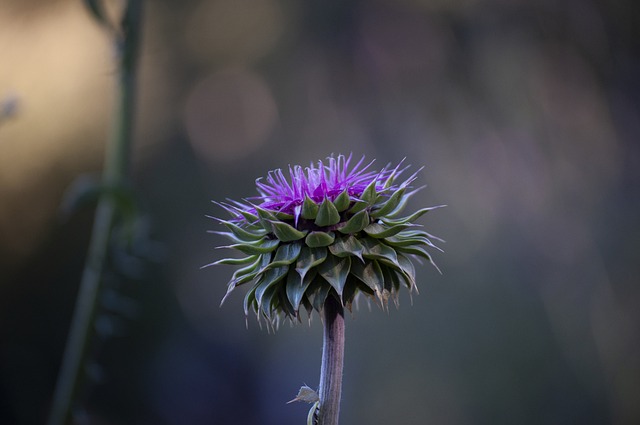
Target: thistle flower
[{"x": 327, "y": 230}]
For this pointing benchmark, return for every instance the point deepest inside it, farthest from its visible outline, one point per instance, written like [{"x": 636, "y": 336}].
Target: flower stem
[
  {"x": 115, "y": 174},
  {"x": 332, "y": 362}
]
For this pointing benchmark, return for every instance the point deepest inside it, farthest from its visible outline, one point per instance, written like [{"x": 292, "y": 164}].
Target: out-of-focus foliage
[{"x": 525, "y": 113}]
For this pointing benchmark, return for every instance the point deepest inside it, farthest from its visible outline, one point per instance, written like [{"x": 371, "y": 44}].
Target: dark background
[{"x": 524, "y": 113}]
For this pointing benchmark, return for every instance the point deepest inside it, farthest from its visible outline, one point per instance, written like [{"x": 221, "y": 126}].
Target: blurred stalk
[
  {"x": 332, "y": 362},
  {"x": 115, "y": 174}
]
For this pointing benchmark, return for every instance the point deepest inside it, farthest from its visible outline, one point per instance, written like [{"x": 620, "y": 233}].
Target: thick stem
[
  {"x": 332, "y": 362},
  {"x": 114, "y": 174}
]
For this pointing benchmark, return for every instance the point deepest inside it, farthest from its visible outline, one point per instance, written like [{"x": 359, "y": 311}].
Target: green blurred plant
[{"x": 115, "y": 222}]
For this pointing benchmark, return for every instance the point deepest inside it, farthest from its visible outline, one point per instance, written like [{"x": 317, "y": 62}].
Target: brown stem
[{"x": 332, "y": 362}]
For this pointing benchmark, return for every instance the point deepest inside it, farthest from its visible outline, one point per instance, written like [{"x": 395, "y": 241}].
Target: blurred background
[{"x": 524, "y": 113}]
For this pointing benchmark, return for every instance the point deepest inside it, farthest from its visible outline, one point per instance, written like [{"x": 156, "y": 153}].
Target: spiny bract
[{"x": 327, "y": 230}]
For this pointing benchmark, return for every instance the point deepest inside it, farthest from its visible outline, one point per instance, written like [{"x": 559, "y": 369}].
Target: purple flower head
[
  {"x": 324, "y": 181},
  {"x": 326, "y": 230},
  {"x": 280, "y": 194}
]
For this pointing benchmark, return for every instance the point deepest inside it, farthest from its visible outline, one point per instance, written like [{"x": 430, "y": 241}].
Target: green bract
[{"x": 326, "y": 233}]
